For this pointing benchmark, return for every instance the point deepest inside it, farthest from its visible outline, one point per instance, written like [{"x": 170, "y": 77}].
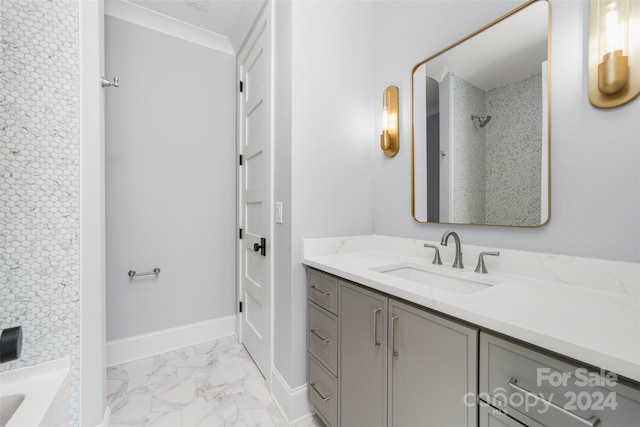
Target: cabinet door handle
[
  {"x": 592, "y": 421},
  {"x": 313, "y": 386},
  {"x": 325, "y": 293},
  {"x": 394, "y": 319},
  {"x": 376, "y": 312},
  {"x": 314, "y": 331}
]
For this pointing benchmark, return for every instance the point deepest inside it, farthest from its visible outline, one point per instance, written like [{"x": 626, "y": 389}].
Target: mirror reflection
[{"x": 480, "y": 126}]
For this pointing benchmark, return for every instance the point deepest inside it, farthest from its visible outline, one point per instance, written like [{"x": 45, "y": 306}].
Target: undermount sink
[{"x": 459, "y": 281}]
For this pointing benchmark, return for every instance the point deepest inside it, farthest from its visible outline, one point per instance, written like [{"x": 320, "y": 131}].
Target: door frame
[
  {"x": 264, "y": 16},
  {"x": 93, "y": 363}
]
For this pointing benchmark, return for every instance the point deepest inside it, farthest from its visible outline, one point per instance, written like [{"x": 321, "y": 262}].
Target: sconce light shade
[
  {"x": 389, "y": 139},
  {"x": 614, "y": 52}
]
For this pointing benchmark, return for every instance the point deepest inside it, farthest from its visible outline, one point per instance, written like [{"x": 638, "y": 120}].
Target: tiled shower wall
[
  {"x": 39, "y": 181},
  {"x": 497, "y": 169},
  {"x": 513, "y": 152},
  {"x": 468, "y": 153}
]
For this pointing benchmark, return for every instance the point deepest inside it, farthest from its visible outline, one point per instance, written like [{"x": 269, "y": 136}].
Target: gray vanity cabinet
[
  {"x": 432, "y": 367},
  {"x": 322, "y": 345},
  {"x": 362, "y": 356},
  {"x": 537, "y": 388},
  {"x": 401, "y": 365},
  {"x": 377, "y": 361}
]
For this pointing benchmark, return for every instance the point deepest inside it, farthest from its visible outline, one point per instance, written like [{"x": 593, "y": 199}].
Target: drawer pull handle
[
  {"x": 591, "y": 422},
  {"x": 325, "y": 293},
  {"x": 313, "y": 386},
  {"x": 394, "y": 319},
  {"x": 376, "y": 312},
  {"x": 314, "y": 331}
]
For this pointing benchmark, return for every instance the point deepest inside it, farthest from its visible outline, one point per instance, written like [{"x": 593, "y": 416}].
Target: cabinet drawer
[
  {"x": 323, "y": 289},
  {"x": 521, "y": 380},
  {"x": 323, "y": 337},
  {"x": 323, "y": 392}
]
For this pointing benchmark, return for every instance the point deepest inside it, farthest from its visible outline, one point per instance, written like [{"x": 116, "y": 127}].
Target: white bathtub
[{"x": 35, "y": 396}]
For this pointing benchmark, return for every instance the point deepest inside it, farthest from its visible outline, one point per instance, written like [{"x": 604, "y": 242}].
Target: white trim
[
  {"x": 106, "y": 421},
  {"x": 269, "y": 11},
  {"x": 139, "y": 346},
  {"x": 292, "y": 403},
  {"x": 92, "y": 214},
  {"x": 134, "y": 13}
]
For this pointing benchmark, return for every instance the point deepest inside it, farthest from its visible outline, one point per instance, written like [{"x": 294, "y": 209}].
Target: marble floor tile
[{"x": 213, "y": 384}]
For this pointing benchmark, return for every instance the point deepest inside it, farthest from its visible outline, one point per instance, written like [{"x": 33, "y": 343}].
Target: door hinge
[
  {"x": 240, "y": 159},
  {"x": 241, "y": 86},
  {"x": 240, "y": 306},
  {"x": 240, "y": 234}
]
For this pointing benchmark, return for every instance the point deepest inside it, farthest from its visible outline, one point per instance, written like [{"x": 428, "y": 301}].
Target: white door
[{"x": 254, "y": 183}]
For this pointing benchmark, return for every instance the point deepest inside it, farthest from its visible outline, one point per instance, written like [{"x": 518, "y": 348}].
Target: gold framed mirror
[{"x": 480, "y": 130}]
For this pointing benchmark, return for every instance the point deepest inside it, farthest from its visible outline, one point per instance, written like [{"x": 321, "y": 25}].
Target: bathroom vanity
[
  {"x": 387, "y": 349},
  {"x": 380, "y": 346}
]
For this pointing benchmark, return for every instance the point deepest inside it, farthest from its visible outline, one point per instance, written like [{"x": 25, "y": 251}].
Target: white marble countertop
[{"x": 593, "y": 326}]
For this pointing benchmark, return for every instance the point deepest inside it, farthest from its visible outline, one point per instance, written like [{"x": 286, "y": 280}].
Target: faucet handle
[
  {"x": 481, "y": 268},
  {"x": 436, "y": 256}
]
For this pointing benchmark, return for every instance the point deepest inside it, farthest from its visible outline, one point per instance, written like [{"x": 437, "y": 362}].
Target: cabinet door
[
  {"x": 433, "y": 369},
  {"x": 363, "y": 357}
]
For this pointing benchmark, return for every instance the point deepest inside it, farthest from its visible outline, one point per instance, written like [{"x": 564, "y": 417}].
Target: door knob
[{"x": 262, "y": 247}]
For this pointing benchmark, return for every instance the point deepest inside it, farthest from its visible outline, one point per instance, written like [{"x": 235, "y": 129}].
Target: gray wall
[
  {"x": 595, "y": 154},
  {"x": 282, "y": 286},
  {"x": 39, "y": 176},
  {"x": 325, "y": 49},
  {"x": 170, "y": 158}
]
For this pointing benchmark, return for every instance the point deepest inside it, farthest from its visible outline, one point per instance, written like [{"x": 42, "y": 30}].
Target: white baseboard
[
  {"x": 139, "y": 346},
  {"x": 291, "y": 402}
]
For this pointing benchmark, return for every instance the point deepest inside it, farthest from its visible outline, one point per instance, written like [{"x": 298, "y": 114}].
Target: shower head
[{"x": 483, "y": 120}]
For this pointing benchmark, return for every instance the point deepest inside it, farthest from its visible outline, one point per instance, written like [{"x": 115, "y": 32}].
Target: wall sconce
[
  {"x": 614, "y": 52},
  {"x": 389, "y": 139}
]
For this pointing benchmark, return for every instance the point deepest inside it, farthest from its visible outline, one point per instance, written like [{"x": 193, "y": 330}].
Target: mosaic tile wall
[
  {"x": 513, "y": 153},
  {"x": 39, "y": 181},
  {"x": 468, "y": 153}
]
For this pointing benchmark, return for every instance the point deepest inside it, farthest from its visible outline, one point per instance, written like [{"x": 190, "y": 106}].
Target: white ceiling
[
  {"x": 221, "y": 24},
  {"x": 510, "y": 50},
  {"x": 218, "y": 18}
]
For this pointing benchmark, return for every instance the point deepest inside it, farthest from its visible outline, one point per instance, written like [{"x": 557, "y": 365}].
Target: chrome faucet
[
  {"x": 481, "y": 267},
  {"x": 436, "y": 256},
  {"x": 457, "y": 262}
]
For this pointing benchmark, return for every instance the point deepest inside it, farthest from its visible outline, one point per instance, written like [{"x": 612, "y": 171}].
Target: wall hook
[{"x": 106, "y": 83}]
